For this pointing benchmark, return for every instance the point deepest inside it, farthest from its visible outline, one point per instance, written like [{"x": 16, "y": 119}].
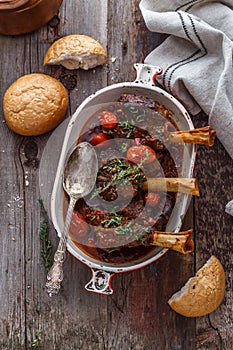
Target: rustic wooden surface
[{"x": 136, "y": 316}]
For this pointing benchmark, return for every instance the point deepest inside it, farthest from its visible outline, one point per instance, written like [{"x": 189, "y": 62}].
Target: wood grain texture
[
  {"x": 214, "y": 171},
  {"x": 137, "y": 315}
]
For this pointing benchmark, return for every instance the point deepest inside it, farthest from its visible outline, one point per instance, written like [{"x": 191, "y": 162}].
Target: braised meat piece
[
  {"x": 118, "y": 172},
  {"x": 157, "y": 134},
  {"x": 169, "y": 167},
  {"x": 134, "y": 209},
  {"x": 146, "y": 102},
  {"x": 139, "y": 100}
]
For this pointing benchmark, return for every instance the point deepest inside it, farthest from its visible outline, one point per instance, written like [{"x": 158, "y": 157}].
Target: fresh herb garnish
[
  {"x": 143, "y": 240},
  {"x": 147, "y": 154},
  {"x": 108, "y": 132},
  {"x": 115, "y": 220},
  {"x": 122, "y": 173},
  {"x": 133, "y": 110},
  {"x": 128, "y": 127},
  {"x": 124, "y": 229},
  {"x": 46, "y": 245},
  {"x": 123, "y": 147},
  {"x": 139, "y": 231},
  {"x": 36, "y": 341},
  {"x": 138, "y": 114},
  {"x": 159, "y": 132},
  {"x": 141, "y": 117}
]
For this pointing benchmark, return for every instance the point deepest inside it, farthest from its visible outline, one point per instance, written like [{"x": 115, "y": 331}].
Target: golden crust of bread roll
[
  {"x": 34, "y": 104},
  {"x": 76, "y": 51},
  {"x": 203, "y": 293}
]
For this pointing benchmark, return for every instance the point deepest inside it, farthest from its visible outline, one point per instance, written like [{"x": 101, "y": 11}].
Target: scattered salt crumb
[
  {"x": 26, "y": 177},
  {"x": 113, "y": 59},
  {"x": 18, "y": 201},
  {"x": 15, "y": 201},
  {"x": 229, "y": 208}
]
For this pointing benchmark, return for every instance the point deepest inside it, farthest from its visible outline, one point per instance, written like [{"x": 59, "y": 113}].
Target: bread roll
[
  {"x": 76, "y": 51},
  {"x": 203, "y": 293},
  {"x": 34, "y": 104}
]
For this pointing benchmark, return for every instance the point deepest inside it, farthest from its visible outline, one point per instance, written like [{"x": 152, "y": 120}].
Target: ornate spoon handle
[{"x": 55, "y": 274}]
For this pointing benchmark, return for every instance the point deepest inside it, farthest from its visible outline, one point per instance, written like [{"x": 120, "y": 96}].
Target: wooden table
[{"x": 137, "y": 315}]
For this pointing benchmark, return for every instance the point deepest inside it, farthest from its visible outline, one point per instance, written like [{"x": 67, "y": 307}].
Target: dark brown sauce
[{"x": 113, "y": 224}]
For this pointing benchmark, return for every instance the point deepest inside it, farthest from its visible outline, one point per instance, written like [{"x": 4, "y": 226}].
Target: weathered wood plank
[
  {"x": 214, "y": 171},
  {"x": 12, "y": 290},
  {"x": 12, "y": 249}
]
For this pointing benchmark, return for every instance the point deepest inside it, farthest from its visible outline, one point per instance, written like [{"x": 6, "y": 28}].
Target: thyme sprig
[
  {"x": 46, "y": 245},
  {"x": 114, "y": 220},
  {"x": 140, "y": 115},
  {"x": 36, "y": 341},
  {"x": 127, "y": 127},
  {"x": 138, "y": 230}
]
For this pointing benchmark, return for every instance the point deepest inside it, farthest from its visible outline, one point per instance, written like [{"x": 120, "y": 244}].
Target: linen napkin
[{"x": 196, "y": 58}]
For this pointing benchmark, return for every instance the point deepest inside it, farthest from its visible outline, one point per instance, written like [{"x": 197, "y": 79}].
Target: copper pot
[
  {"x": 24, "y": 16},
  {"x": 11, "y": 4}
]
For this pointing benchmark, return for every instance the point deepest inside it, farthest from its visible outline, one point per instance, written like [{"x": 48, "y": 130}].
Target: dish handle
[
  {"x": 100, "y": 282},
  {"x": 146, "y": 74}
]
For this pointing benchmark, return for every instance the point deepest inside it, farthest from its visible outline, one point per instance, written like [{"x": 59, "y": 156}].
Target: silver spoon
[{"x": 79, "y": 178}]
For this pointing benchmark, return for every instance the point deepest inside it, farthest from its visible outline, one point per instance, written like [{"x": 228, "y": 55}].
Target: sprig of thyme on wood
[
  {"x": 46, "y": 245},
  {"x": 36, "y": 341}
]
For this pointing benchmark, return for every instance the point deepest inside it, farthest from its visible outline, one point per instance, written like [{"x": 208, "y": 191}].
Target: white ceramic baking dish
[{"x": 143, "y": 85}]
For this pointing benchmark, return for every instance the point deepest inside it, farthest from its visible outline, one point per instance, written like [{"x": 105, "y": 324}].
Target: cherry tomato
[
  {"x": 99, "y": 138},
  {"x": 141, "y": 154},
  {"x": 152, "y": 199},
  {"x": 78, "y": 226},
  {"x": 107, "y": 119}
]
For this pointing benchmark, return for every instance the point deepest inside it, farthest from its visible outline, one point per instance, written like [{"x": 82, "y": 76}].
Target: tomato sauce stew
[{"x": 114, "y": 223}]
